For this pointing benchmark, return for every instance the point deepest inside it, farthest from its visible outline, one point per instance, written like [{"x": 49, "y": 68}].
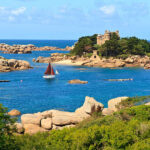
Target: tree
[
  {"x": 84, "y": 44},
  {"x": 7, "y": 140}
]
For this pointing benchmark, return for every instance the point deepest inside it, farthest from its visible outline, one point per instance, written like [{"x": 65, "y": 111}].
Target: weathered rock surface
[
  {"x": 27, "y": 49},
  {"x": 107, "y": 111},
  {"x": 32, "y": 129},
  {"x": 91, "y": 105},
  {"x": 55, "y": 119},
  {"x": 7, "y": 65},
  {"x": 14, "y": 112},
  {"x": 46, "y": 123},
  {"x": 114, "y": 102},
  {"x": 147, "y": 103},
  {"x": 31, "y": 119},
  {"x": 131, "y": 61},
  {"x": 77, "y": 81},
  {"x": 41, "y": 59},
  {"x": 19, "y": 128}
]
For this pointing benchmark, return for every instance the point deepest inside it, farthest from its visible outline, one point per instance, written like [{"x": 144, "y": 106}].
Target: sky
[{"x": 71, "y": 19}]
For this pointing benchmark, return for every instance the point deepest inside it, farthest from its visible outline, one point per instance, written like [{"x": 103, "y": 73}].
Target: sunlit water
[{"x": 36, "y": 94}]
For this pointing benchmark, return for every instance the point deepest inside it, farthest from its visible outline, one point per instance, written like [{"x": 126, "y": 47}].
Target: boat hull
[{"x": 49, "y": 76}]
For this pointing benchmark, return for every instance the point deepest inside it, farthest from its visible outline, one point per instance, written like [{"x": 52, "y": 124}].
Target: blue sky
[{"x": 70, "y": 19}]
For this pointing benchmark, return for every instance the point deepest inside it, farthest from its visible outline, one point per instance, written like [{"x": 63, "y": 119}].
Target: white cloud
[
  {"x": 18, "y": 11},
  {"x": 11, "y": 18},
  {"x": 108, "y": 10}
]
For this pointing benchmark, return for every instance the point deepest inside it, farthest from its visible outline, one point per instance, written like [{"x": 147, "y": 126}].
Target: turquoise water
[{"x": 36, "y": 94}]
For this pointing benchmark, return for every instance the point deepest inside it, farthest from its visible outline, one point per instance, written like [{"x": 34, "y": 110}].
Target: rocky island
[
  {"x": 7, "y": 65},
  {"x": 107, "y": 51},
  {"x": 27, "y": 49}
]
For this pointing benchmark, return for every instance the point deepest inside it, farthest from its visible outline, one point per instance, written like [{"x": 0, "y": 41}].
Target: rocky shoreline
[
  {"x": 55, "y": 119},
  {"x": 7, "y": 65},
  {"x": 132, "y": 61},
  {"x": 58, "y": 120},
  {"x": 27, "y": 49}
]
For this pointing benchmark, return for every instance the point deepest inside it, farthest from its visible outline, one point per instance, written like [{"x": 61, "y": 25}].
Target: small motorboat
[{"x": 49, "y": 73}]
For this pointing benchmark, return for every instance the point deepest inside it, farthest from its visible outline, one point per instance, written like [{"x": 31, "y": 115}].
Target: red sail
[
  {"x": 52, "y": 71},
  {"x": 48, "y": 70}
]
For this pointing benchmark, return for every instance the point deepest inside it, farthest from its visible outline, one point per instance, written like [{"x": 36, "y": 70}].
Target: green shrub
[
  {"x": 7, "y": 140},
  {"x": 126, "y": 129}
]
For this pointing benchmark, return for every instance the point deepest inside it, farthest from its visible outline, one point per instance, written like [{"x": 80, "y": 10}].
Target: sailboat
[
  {"x": 49, "y": 73},
  {"x": 57, "y": 72}
]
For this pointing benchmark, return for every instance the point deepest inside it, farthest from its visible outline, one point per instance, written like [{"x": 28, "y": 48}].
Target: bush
[
  {"x": 115, "y": 47},
  {"x": 7, "y": 140},
  {"x": 84, "y": 44},
  {"x": 105, "y": 133}
]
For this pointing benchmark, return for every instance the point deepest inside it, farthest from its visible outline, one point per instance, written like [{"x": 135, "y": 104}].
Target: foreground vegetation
[
  {"x": 127, "y": 129},
  {"x": 116, "y": 47}
]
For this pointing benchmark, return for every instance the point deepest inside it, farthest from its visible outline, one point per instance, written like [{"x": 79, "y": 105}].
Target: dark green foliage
[
  {"x": 131, "y": 101},
  {"x": 7, "y": 140},
  {"x": 115, "y": 47},
  {"x": 125, "y": 46},
  {"x": 127, "y": 129},
  {"x": 84, "y": 44}
]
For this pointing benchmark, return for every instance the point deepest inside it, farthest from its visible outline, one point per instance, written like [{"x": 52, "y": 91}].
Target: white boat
[{"x": 49, "y": 73}]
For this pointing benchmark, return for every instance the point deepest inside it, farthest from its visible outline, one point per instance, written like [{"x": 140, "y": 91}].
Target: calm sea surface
[{"x": 36, "y": 94}]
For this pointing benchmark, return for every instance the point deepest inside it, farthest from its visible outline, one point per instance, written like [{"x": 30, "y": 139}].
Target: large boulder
[
  {"x": 129, "y": 60},
  {"x": 46, "y": 123},
  {"x": 31, "y": 119},
  {"x": 24, "y": 64},
  {"x": 91, "y": 105},
  {"x": 107, "y": 111},
  {"x": 19, "y": 128},
  {"x": 114, "y": 102},
  {"x": 62, "y": 118},
  {"x": 32, "y": 129},
  {"x": 14, "y": 112},
  {"x": 12, "y": 62},
  {"x": 81, "y": 111},
  {"x": 148, "y": 104},
  {"x": 3, "y": 62}
]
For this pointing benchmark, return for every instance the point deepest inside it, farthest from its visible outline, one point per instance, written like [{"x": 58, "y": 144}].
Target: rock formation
[
  {"x": 7, "y": 65},
  {"x": 131, "y": 61},
  {"x": 26, "y": 49},
  {"x": 77, "y": 81},
  {"x": 14, "y": 112},
  {"x": 55, "y": 119}
]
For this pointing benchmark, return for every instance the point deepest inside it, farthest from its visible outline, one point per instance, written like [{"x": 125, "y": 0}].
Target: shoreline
[
  {"x": 27, "y": 49},
  {"x": 63, "y": 59}
]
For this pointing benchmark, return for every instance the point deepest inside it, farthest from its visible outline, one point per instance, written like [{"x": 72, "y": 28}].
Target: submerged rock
[
  {"x": 130, "y": 79},
  {"x": 77, "y": 81}
]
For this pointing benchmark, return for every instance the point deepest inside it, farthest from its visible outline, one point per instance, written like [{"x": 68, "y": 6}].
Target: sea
[{"x": 29, "y": 92}]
